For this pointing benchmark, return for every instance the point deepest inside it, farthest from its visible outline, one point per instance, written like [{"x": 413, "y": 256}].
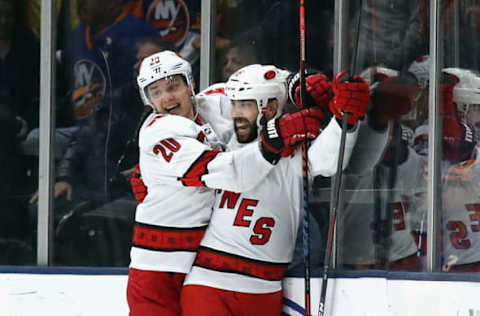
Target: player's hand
[
  {"x": 138, "y": 187},
  {"x": 446, "y": 105},
  {"x": 394, "y": 97},
  {"x": 458, "y": 135},
  {"x": 349, "y": 97},
  {"x": 280, "y": 137},
  {"x": 318, "y": 90},
  {"x": 458, "y": 139}
]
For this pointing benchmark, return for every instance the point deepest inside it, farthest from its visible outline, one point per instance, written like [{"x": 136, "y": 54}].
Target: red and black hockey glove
[
  {"x": 280, "y": 137},
  {"x": 458, "y": 139},
  {"x": 446, "y": 105},
  {"x": 138, "y": 187},
  {"x": 458, "y": 134},
  {"x": 349, "y": 97},
  {"x": 318, "y": 90}
]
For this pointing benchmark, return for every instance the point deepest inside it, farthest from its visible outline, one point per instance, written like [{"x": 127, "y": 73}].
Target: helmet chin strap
[
  {"x": 262, "y": 115},
  {"x": 259, "y": 118},
  {"x": 194, "y": 104}
]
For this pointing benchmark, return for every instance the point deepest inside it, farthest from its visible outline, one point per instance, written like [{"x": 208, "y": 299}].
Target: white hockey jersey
[
  {"x": 251, "y": 236},
  {"x": 356, "y": 223},
  {"x": 461, "y": 212},
  {"x": 179, "y": 164}
]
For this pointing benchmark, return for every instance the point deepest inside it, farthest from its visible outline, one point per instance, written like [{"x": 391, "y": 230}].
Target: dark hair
[
  {"x": 246, "y": 49},
  {"x": 157, "y": 41}
]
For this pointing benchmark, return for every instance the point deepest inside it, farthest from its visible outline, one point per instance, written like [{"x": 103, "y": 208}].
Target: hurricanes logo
[
  {"x": 89, "y": 88},
  {"x": 171, "y": 18}
]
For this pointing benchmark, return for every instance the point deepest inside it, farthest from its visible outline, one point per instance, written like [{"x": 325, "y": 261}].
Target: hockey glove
[
  {"x": 447, "y": 107},
  {"x": 138, "y": 187},
  {"x": 280, "y": 137},
  {"x": 395, "y": 96},
  {"x": 349, "y": 97},
  {"x": 458, "y": 135},
  {"x": 458, "y": 139},
  {"x": 318, "y": 89}
]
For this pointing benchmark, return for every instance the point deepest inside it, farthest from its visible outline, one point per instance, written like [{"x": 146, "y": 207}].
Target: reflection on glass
[
  {"x": 460, "y": 182},
  {"x": 100, "y": 47},
  {"x": 458, "y": 102},
  {"x": 382, "y": 224}
]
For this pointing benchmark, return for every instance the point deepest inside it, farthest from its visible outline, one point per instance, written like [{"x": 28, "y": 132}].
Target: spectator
[
  {"x": 19, "y": 54},
  {"x": 176, "y": 21},
  {"x": 98, "y": 161},
  {"x": 100, "y": 53},
  {"x": 277, "y": 41},
  {"x": 179, "y": 160},
  {"x": 236, "y": 56},
  {"x": 101, "y": 56},
  {"x": 389, "y": 33},
  {"x": 240, "y": 265},
  {"x": 19, "y": 91}
]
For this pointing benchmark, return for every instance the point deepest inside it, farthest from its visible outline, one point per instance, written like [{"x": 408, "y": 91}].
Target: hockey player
[
  {"x": 375, "y": 228},
  {"x": 251, "y": 236},
  {"x": 460, "y": 88},
  {"x": 180, "y": 159},
  {"x": 461, "y": 175}
]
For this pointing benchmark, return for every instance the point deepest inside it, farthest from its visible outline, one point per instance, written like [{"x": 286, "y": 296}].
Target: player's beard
[{"x": 247, "y": 133}]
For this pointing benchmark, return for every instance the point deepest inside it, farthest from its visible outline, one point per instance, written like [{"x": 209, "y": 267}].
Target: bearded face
[
  {"x": 245, "y": 130},
  {"x": 244, "y": 115}
]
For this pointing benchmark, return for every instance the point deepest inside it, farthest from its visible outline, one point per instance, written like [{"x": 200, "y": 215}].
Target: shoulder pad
[
  {"x": 161, "y": 126},
  {"x": 216, "y": 88}
]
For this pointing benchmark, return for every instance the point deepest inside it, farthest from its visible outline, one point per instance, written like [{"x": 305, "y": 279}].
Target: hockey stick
[
  {"x": 306, "y": 215},
  {"x": 337, "y": 182}
]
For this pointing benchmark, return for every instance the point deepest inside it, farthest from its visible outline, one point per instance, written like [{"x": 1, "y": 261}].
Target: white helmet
[
  {"x": 420, "y": 68},
  {"x": 259, "y": 83},
  {"x": 467, "y": 89},
  {"x": 159, "y": 66},
  {"x": 376, "y": 74}
]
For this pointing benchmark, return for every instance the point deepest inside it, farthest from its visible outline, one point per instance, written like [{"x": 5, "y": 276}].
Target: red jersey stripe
[
  {"x": 199, "y": 167},
  {"x": 225, "y": 262},
  {"x": 167, "y": 238}
]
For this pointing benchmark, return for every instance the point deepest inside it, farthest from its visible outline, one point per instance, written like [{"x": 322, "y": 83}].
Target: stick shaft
[
  {"x": 335, "y": 203},
  {"x": 306, "y": 219}
]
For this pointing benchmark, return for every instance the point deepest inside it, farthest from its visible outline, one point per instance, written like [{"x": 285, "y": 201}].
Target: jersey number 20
[{"x": 167, "y": 147}]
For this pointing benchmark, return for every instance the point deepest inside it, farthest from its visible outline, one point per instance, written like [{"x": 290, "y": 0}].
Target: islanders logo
[
  {"x": 171, "y": 18},
  {"x": 89, "y": 88}
]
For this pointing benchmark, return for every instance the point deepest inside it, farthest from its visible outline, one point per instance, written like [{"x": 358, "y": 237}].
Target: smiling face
[
  {"x": 244, "y": 115},
  {"x": 172, "y": 95}
]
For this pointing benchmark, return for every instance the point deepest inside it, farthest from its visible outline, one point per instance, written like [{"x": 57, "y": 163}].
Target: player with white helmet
[
  {"x": 259, "y": 83},
  {"x": 467, "y": 88},
  {"x": 374, "y": 227},
  {"x": 459, "y": 92},
  {"x": 181, "y": 162},
  {"x": 251, "y": 236},
  {"x": 466, "y": 94}
]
